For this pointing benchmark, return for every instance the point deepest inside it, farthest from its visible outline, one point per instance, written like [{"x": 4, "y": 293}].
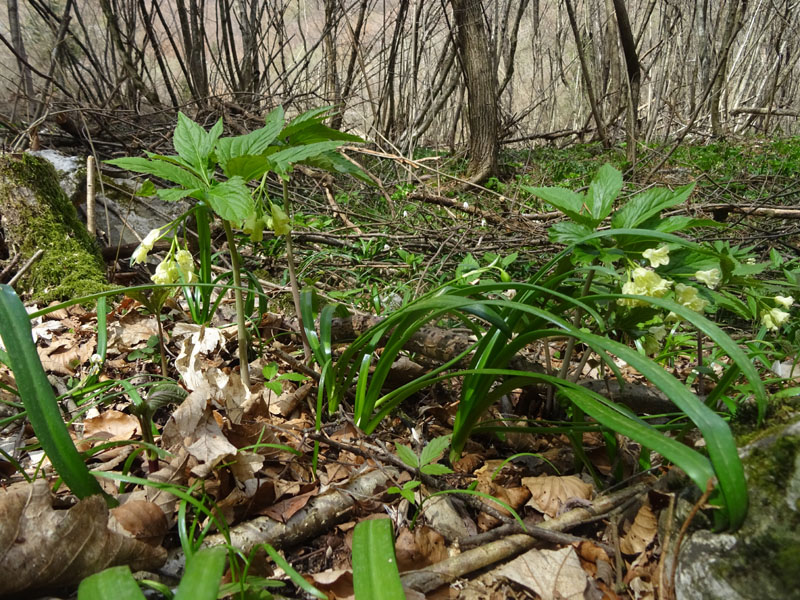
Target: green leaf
[
  {"x": 284, "y": 159},
  {"x": 434, "y": 450},
  {"x": 375, "y": 574},
  {"x": 38, "y": 397},
  {"x": 647, "y": 204},
  {"x": 231, "y": 200},
  {"x": 603, "y": 190},
  {"x": 567, "y": 201},
  {"x": 317, "y": 132},
  {"x": 307, "y": 119},
  {"x": 435, "y": 469},
  {"x": 114, "y": 582},
  {"x": 203, "y": 573},
  {"x": 280, "y": 220},
  {"x": 159, "y": 168},
  {"x": 254, "y": 143},
  {"x": 193, "y": 143},
  {"x": 247, "y": 166},
  {"x": 175, "y": 194},
  {"x": 567, "y": 232},
  {"x": 407, "y": 455},
  {"x": 334, "y": 162}
]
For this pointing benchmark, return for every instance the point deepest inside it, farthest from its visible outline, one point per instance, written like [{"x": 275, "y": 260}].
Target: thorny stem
[
  {"x": 244, "y": 367},
  {"x": 292, "y": 274}
]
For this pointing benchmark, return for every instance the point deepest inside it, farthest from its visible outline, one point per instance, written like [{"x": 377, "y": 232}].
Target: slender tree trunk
[
  {"x": 480, "y": 78},
  {"x": 587, "y": 79},
  {"x": 26, "y": 77},
  {"x": 733, "y": 23},
  {"x": 634, "y": 77}
]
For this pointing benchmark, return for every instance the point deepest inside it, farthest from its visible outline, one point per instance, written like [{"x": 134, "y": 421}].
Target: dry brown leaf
[
  {"x": 336, "y": 583},
  {"x": 419, "y": 548},
  {"x": 66, "y": 354},
  {"x": 46, "y": 548},
  {"x": 553, "y": 574},
  {"x": 143, "y": 520},
  {"x": 550, "y": 493},
  {"x": 111, "y": 425},
  {"x": 210, "y": 445},
  {"x": 642, "y": 532},
  {"x": 130, "y": 332},
  {"x": 283, "y": 510}
]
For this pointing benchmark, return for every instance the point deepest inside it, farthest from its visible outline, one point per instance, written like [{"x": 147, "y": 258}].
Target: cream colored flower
[
  {"x": 185, "y": 261},
  {"x": 166, "y": 272},
  {"x": 644, "y": 282},
  {"x": 140, "y": 254},
  {"x": 784, "y": 301},
  {"x": 657, "y": 256},
  {"x": 711, "y": 278},
  {"x": 687, "y": 295},
  {"x": 773, "y": 318}
]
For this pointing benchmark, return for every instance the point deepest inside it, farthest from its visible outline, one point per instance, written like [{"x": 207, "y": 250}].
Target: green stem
[
  {"x": 587, "y": 286},
  {"x": 244, "y": 367},
  {"x": 293, "y": 276}
]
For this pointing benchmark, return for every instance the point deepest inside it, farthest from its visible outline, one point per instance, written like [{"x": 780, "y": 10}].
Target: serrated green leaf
[
  {"x": 254, "y": 143},
  {"x": 284, "y": 159},
  {"x": 318, "y": 132},
  {"x": 647, "y": 204},
  {"x": 568, "y": 232},
  {"x": 334, "y": 162},
  {"x": 297, "y": 377},
  {"x": 603, "y": 190},
  {"x": 407, "y": 455},
  {"x": 269, "y": 370},
  {"x": 280, "y": 220},
  {"x": 435, "y": 469},
  {"x": 307, "y": 119},
  {"x": 247, "y": 166},
  {"x": 175, "y": 194},
  {"x": 231, "y": 200},
  {"x": 159, "y": 168},
  {"x": 147, "y": 189},
  {"x": 193, "y": 143},
  {"x": 434, "y": 449},
  {"x": 567, "y": 201}
]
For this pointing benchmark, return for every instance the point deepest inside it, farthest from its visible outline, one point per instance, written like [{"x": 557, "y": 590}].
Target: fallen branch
[{"x": 443, "y": 573}]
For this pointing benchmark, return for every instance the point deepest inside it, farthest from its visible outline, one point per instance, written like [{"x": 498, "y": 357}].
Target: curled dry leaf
[
  {"x": 46, "y": 548},
  {"x": 142, "y": 520},
  {"x": 642, "y": 532},
  {"x": 550, "y": 493}
]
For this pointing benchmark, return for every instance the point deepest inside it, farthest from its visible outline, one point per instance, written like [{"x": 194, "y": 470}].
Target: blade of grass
[
  {"x": 203, "y": 574},
  {"x": 39, "y": 399},
  {"x": 375, "y": 574},
  {"x": 115, "y": 582}
]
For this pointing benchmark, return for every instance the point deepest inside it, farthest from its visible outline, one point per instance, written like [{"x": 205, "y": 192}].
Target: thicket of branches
[{"x": 403, "y": 71}]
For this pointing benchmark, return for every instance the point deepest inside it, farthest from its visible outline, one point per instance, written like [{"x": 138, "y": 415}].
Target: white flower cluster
[
  {"x": 170, "y": 269},
  {"x": 773, "y": 318}
]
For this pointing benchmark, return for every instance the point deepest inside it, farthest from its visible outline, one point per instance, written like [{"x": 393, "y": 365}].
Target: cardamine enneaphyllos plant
[{"x": 216, "y": 172}]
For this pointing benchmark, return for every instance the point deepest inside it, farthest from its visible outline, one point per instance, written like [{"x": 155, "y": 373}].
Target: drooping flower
[
  {"x": 711, "y": 277},
  {"x": 166, "y": 272},
  {"x": 140, "y": 254},
  {"x": 657, "y": 256},
  {"x": 773, "y": 318},
  {"x": 688, "y": 296},
  {"x": 784, "y": 301},
  {"x": 644, "y": 282}
]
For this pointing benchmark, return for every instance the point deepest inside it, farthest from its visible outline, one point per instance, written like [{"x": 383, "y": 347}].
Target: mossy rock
[{"x": 36, "y": 214}]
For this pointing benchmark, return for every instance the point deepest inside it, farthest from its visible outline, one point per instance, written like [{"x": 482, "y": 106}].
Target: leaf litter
[{"x": 252, "y": 454}]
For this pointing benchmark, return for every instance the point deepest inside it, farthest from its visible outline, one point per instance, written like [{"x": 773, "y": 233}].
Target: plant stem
[
  {"x": 161, "y": 348},
  {"x": 576, "y": 320},
  {"x": 292, "y": 275},
  {"x": 244, "y": 367}
]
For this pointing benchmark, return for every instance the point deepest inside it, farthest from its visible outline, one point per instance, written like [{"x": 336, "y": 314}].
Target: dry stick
[
  {"x": 665, "y": 543},
  {"x": 321, "y": 513},
  {"x": 244, "y": 365},
  {"x": 684, "y": 528},
  {"x": 36, "y": 256},
  {"x": 90, "y": 199},
  {"x": 337, "y": 212},
  {"x": 442, "y": 573},
  {"x": 292, "y": 275}
]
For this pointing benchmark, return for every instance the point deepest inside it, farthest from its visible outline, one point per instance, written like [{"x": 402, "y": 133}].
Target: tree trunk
[
  {"x": 26, "y": 79},
  {"x": 634, "y": 70},
  {"x": 733, "y": 24},
  {"x": 480, "y": 78}
]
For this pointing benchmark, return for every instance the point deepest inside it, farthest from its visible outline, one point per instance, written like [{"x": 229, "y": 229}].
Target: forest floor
[{"x": 274, "y": 466}]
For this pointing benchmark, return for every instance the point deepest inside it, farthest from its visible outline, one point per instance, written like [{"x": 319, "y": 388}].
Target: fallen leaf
[
  {"x": 46, "y": 548},
  {"x": 210, "y": 445},
  {"x": 642, "y": 532},
  {"x": 553, "y": 574},
  {"x": 111, "y": 425},
  {"x": 550, "y": 493},
  {"x": 143, "y": 520}
]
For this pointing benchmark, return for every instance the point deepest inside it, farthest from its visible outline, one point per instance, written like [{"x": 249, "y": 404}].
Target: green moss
[{"x": 40, "y": 216}]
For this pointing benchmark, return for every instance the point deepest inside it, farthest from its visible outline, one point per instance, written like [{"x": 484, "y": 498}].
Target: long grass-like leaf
[
  {"x": 39, "y": 399},
  {"x": 375, "y": 574},
  {"x": 203, "y": 574},
  {"x": 114, "y": 582}
]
